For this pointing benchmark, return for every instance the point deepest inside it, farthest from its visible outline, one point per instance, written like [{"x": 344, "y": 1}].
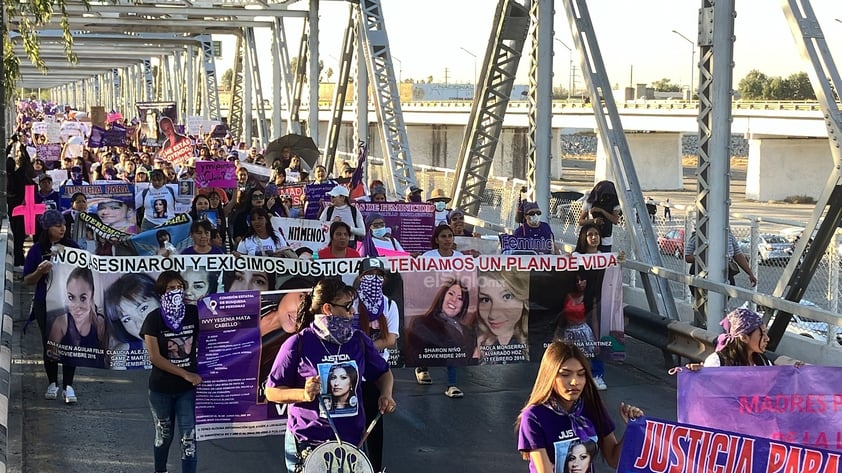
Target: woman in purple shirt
[
  {"x": 564, "y": 409},
  {"x": 325, "y": 338}
]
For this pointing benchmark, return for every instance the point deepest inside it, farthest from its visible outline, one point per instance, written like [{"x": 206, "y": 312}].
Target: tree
[
  {"x": 753, "y": 85},
  {"x": 758, "y": 86},
  {"x": 801, "y": 87},
  {"x": 227, "y": 79},
  {"x": 665, "y": 85},
  {"x": 28, "y": 16}
]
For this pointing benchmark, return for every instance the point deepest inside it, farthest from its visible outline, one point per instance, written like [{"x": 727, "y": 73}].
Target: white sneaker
[
  {"x": 52, "y": 392},
  {"x": 69, "y": 395},
  {"x": 600, "y": 383}
]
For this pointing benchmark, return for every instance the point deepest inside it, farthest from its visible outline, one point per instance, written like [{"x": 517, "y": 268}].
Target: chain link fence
[{"x": 767, "y": 243}]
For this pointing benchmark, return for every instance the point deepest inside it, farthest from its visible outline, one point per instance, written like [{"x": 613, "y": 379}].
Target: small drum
[{"x": 333, "y": 457}]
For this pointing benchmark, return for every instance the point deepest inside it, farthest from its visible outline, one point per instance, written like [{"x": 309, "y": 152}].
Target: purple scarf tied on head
[
  {"x": 738, "y": 322},
  {"x": 172, "y": 309}
]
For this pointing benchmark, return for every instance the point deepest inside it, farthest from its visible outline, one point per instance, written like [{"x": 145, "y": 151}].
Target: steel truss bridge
[{"x": 117, "y": 40}]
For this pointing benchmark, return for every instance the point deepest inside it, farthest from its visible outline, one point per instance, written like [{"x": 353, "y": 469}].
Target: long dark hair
[
  {"x": 438, "y": 300},
  {"x": 269, "y": 228},
  {"x": 324, "y": 292},
  {"x": 438, "y": 231},
  {"x": 735, "y": 353},
  {"x": 366, "y": 316},
  {"x": 582, "y": 241},
  {"x": 543, "y": 390},
  {"x": 131, "y": 286},
  {"x": 336, "y": 226}
]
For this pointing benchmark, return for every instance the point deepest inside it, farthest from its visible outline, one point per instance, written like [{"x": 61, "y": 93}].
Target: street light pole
[
  {"x": 692, "y": 59},
  {"x": 569, "y": 69},
  {"x": 475, "y": 70}
]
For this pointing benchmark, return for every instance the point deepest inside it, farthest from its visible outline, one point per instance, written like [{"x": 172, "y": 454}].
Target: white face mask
[
  {"x": 440, "y": 206},
  {"x": 533, "y": 219}
]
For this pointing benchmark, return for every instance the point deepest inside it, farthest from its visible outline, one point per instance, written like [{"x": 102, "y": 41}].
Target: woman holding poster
[
  {"x": 564, "y": 410},
  {"x": 36, "y": 272},
  {"x": 325, "y": 338},
  {"x": 173, "y": 380}
]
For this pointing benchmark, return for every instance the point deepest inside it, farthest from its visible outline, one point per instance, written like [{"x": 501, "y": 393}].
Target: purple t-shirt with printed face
[
  {"x": 299, "y": 358},
  {"x": 542, "y": 427}
]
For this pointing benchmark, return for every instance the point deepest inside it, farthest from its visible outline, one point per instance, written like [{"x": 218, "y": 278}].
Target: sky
[{"x": 430, "y": 38}]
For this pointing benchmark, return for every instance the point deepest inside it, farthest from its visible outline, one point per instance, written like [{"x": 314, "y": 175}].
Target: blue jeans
[{"x": 167, "y": 409}]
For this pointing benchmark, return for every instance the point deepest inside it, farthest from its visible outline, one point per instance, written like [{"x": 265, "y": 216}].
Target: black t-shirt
[{"x": 179, "y": 348}]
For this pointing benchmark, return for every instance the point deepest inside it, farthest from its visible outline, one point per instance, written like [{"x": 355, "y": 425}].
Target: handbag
[{"x": 733, "y": 268}]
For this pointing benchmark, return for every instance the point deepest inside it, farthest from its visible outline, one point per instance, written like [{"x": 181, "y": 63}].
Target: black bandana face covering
[{"x": 172, "y": 309}]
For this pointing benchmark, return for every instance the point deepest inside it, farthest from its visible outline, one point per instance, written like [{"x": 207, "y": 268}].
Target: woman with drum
[{"x": 301, "y": 372}]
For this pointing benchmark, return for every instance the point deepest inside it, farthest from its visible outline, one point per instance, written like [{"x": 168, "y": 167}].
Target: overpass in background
[{"x": 783, "y": 137}]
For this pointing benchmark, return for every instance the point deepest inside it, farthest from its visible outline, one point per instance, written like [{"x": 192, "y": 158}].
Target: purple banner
[
  {"x": 652, "y": 445},
  {"x": 97, "y": 137},
  {"x": 510, "y": 244},
  {"x": 226, "y": 401},
  {"x": 799, "y": 405},
  {"x": 48, "y": 152},
  {"x": 216, "y": 174},
  {"x": 316, "y": 194},
  {"x": 115, "y": 136},
  {"x": 411, "y": 223}
]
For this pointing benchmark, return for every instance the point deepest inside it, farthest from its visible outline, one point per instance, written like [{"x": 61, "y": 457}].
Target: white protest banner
[
  {"x": 194, "y": 125},
  {"x": 301, "y": 232}
]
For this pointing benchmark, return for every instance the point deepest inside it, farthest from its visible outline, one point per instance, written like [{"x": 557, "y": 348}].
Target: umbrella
[{"x": 303, "y": 146}]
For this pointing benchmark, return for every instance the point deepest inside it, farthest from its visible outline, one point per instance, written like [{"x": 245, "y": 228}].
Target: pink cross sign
[{"x": 29, "y": 209}]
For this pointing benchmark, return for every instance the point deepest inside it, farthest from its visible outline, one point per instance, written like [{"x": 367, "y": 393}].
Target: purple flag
[{"x": 799, "y": 405}]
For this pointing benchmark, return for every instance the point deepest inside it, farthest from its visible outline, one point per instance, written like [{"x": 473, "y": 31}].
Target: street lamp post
[
  {"x": 475, "y": 69},
  {"x": 569, "y": 69},
  {"x": 692, "y": 59}
]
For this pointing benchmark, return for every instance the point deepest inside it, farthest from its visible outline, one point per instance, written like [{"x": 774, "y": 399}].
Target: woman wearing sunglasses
[{"x": 301, "y": 374}]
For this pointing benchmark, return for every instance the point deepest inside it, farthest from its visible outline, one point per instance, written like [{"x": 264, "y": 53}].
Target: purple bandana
[
  {"x": 738, "y": 322},
  {"x": 172, "y": 309},
  {"x": 582, "y": 426},
  {"x": 333, "y": 328},
  {"x": 371, "y": 293}
]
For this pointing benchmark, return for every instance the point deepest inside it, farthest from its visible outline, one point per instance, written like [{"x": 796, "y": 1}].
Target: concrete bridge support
[
  {"x": 657, "y": 160},
  {"x": 782, "y": 167}
]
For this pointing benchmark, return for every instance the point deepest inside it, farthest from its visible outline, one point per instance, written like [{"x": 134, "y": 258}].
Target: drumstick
[
  {"x": 370, "y": 428},
  {"x": 330, "y": 420}
]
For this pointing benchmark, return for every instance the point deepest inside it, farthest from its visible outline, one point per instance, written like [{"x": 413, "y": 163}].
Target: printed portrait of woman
[
  {"x": 160, "y": 208},
  {"x": 200, "y": 283},
  {"x": 278, "y": 315},
  {"x": 444, "y": 332},
  {"x": 81, "y": 325},
  {"x": 128, "y": 300},
  {"x": 579, "y": 456},
  {"x": 235, "y": 281},
  {"x": 503, "y": 316},
  {"x": 339, "y": 388}
]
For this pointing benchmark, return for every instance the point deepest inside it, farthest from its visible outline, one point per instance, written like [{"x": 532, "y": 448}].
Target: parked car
[
  {"x": 672, "y": 243},
  {"x": 770, "y": 247},
  {"x": 810, "y": 328}
]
